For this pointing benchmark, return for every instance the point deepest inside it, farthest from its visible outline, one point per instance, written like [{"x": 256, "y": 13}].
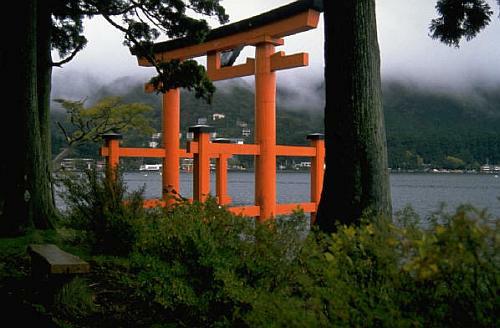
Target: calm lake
[{"x": 424, "y": 192}]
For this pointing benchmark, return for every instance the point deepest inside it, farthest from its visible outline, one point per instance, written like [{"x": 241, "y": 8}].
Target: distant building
[
  {"x": 218, "y": 116},
  {"x": 155, "y": 140},
  {"x": 486, "y": 168},
  {"x": 302, "y": 165}
]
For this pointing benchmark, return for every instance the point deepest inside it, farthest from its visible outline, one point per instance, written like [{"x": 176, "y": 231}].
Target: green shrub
[
  {"x": 444, "y": 273},
  {"x": 102, "y": 211},
  {"x": 360, "y": 282},
  {"x": 205, "y": 266},
  {"x": 202, "y": 266},
  {"x": 454, "y": 266}
]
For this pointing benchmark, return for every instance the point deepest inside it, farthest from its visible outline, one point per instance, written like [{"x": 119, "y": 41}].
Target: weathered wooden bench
[
  {"x": 48, "y": 260},
  {"x": 51, "y": 269}
]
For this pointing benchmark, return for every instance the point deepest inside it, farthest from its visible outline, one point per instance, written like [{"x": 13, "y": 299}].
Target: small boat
[{"x": 150, "y": 167}]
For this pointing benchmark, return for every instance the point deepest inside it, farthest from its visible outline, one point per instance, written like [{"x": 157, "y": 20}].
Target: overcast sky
[{"x": 407, "y": 52}]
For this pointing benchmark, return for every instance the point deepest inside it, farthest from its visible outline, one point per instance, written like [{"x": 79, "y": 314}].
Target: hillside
[
  {"x": 443, "y": 129},
  {"x": 436, "y": 127}
]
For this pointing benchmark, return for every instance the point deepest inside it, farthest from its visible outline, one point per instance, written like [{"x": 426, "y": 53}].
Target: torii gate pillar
[
  {"x": 265, "y": 131},
  {"x": 171, "y": 128}
]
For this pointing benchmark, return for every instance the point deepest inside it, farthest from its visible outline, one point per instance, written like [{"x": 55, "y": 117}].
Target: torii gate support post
[
  {"x": 317, "y": 141},
  {"x": 265, "y": 131},
  {"x": 201, "y": 162},
  {"x": 112, "y": 143},
  {"x": 221, "y": 175},
  {"x": 171, "y": 143}
]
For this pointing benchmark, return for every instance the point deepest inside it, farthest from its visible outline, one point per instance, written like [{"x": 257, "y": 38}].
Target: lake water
[{"x": 424, "y": 192}]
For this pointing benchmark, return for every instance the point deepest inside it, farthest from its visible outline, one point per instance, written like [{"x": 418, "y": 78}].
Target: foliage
[
  {"x": 109, "y": 114},
  {"x": 200, "y": 266},
  {"x": 454, "y": 265},
  {"x": 431, "y": 125},
  {"x": 188, "y": 74},
  {"x": 141, "y": 23},
  {"x": 444, "y": 274},
  {"x": 204, "y": 266},
  {"x": 459, "y": 19},
  {"x": 102, "y": 211}
]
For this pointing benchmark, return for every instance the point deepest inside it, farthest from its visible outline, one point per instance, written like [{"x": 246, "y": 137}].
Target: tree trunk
[
  {"x": 23, "y": 145},
  {"x": 46, "y": 208},
  {"x": 356, "y": 178},
  {"x": 26, "y": 198}
]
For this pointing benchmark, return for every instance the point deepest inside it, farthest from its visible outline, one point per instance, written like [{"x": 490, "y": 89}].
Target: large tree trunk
[
  {"x": 23, "y": 146},
  {"x": 26, "y": 197},
  {"x": 45, "y": 208},
  {"x": 356, "y": 177}
]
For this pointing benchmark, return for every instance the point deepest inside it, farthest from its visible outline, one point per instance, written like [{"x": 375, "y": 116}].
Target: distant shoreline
[
  {"x": 444, "y": 171},
  {"x": 392, "y": 171}
]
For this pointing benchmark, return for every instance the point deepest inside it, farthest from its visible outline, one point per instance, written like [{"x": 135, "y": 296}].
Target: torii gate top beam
[{"x": 290, "y": 19}]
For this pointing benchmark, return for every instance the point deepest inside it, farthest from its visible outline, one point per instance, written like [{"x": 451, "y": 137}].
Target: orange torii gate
[{"x": 264, "y": 32}]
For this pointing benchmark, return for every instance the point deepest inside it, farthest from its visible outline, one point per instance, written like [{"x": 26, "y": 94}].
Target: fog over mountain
[{"x": 408, "y": 54}]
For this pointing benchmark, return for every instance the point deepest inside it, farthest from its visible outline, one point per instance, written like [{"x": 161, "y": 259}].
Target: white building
[{"x": 218, "y": 116}]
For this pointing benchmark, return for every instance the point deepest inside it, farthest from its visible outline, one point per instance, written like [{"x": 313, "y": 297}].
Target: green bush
[
  {"x": 454, "y": 268},
  {"x": 201, "y": 266},
  {"x": 441, "y": 274},
  {"x": 204, "y": 266},
  {"x": 105, "y": 216}
]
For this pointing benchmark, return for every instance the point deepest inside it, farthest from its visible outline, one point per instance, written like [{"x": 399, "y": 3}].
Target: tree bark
[
  {"x": 23, "y": 146},
  {"x": 46, "y": 208},
  {"x": 25, "y": 194},
  {"x": 356, "y": 178}
]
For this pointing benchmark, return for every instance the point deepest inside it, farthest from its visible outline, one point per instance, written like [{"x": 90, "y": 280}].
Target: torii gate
[{"x": 264, "y": 32}]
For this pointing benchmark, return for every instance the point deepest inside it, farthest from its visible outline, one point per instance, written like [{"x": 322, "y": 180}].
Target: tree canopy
[
  {"x": 87, "y": 124},
  {"x": 460, "y": 19},
  {"x": 142, "y": 22}
]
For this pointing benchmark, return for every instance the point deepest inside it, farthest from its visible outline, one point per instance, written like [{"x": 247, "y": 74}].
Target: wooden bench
[
  {"x": 48, "y": 260},
  {"x": 51, "y": 269}
]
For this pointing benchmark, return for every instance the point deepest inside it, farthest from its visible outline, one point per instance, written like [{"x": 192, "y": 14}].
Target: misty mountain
[
  {"x": 436, "y": 124},
  {"x": 437, "y": 127}
]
